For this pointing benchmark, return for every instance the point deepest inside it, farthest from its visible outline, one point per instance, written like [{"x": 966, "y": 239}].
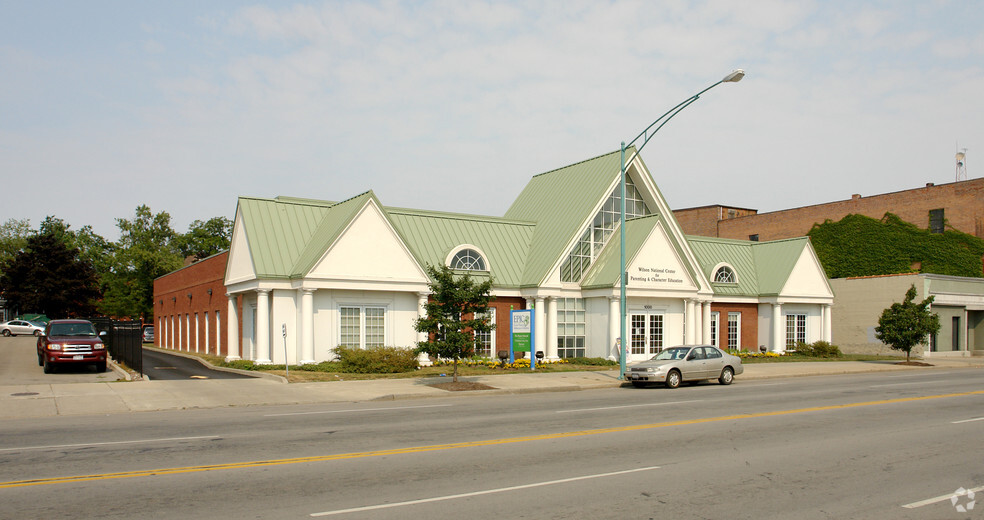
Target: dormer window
[
  {"x": 468, "y": 260},
  {"x": 725, "y": 274}
]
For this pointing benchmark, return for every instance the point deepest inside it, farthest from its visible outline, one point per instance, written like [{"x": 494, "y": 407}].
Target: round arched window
[
  {"x": 725, "y": 274},
  {"x": 468, "y": 260}
]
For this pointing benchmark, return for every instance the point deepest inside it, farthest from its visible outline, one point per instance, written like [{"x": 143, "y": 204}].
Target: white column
[
  {"x": 827, "y": 323},
  {"x": 614, "y": 322},
  {"x": 691, "y": 326},
  {"x": 263, "y": 327},
  {"x": 232, "y": 329},
  {"x": 541, "y": 327},
  {"x": 307, "y": 326},
  {"x": 551, "y": 350},
  {"x": 778, "y": 329},
  {"x": 706, "y": 323},
  {"x": 422, "y": 359}
]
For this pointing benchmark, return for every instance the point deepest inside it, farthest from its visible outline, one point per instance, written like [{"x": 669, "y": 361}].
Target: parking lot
[{"x": 19, "y": 366}]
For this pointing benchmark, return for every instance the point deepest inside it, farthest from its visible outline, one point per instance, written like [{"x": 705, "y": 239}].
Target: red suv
[{"x": 71, "y": 341}]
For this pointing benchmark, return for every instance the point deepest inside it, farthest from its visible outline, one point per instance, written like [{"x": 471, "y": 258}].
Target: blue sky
[{"x": 451, "y": 105}]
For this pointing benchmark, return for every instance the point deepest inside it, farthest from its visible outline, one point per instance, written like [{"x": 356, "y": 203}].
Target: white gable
[
  {"x": 240, "y": 263},
  {"x": 807, "y": 277},
  {"x": 369, "y": 250},
  {"x": 657, "y": 265}
]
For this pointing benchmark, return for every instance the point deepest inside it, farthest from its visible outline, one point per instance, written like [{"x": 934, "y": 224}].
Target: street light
[{"x": 646, "y": 135}]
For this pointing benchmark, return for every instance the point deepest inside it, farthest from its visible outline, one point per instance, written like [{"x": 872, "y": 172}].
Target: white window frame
[
  {"x": 463, "y": 247},
  {"x": 362, "y": 324},
  {"x": 715, "y": 327},
  {"x": 490, "y": 336},
  {"x": 575, "y": 330},
  {"x": 795, "y": 330},
  {"x": 736, "y": 345},
  {"x": 724, "y": 265}
]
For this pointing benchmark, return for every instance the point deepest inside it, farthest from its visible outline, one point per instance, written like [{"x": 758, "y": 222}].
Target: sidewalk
[{"x": 46, "y": 400}]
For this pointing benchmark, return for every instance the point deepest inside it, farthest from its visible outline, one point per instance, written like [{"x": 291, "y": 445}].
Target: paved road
[
  {"x": 859, "y": 446},
  {"x": 159, "y": 365}
]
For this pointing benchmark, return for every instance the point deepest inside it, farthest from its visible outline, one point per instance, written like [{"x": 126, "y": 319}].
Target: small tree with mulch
[
  {"x": 457, "y": 309},
  {"x": 907, "y": 324}
]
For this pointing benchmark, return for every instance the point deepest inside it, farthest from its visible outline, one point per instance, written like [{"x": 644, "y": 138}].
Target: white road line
[
  {"x": 28, "y": 448},
  {"x": 940, "y": 498},
  {"x": 625, "y": 406},
  {"x": 905, "y": 384},
  {"x": 968, "y": 420},
  {"x": 478, "y": 493},
  {"x": 358, "y": 410}
]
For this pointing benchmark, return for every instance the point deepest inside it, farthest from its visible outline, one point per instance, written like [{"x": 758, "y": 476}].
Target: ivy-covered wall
[{"x": 863, "y": 246}]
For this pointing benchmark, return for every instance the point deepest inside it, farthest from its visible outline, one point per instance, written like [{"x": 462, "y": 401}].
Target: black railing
[{"x": 124, "y": 340}]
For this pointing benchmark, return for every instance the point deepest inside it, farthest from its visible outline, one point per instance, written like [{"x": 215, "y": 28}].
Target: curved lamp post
[{"x": 646, "y": 135}]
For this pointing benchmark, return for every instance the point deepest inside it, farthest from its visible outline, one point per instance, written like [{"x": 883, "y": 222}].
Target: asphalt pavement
[{"x": 36, "y": 399}]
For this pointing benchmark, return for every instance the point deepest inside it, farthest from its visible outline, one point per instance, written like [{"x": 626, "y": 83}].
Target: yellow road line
[{"x": 457, "y": 445}]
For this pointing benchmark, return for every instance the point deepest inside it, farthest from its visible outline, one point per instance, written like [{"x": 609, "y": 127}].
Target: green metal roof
[
  {"x": 560, "y": 202},
  {"x": 278, "y": 232},
  {"x": 762, "y": 268},
  {"x": 431, "y": 235}
]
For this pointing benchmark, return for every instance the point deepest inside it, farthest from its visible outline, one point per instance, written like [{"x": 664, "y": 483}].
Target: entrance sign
[{"x": 521, "y": 334}]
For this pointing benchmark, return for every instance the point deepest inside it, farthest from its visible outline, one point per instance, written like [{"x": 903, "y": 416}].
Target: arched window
[
  {"x": 468, "y": 260},
  {"x": 725, "y": 274}
]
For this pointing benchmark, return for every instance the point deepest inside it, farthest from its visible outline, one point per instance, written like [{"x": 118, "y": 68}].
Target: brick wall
[
  {"x": 749, "y": 324},
  {"x": 187, "y": 303},
  {"x": 962, "y": 203}
]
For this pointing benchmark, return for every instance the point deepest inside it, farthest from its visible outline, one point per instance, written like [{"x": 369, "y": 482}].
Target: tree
[
  {"x": 146, "y": 250},
  {"x": 457, "y": 309},
  {"x": 205, "y": 239},
  {"x": 49, "y": 277},
  {"x": 13, "y": 238},
  {"x": 905, "y": 325}
]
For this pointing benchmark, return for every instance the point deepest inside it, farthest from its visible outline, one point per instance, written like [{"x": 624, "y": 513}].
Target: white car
[{"x": 16, "y": 327}]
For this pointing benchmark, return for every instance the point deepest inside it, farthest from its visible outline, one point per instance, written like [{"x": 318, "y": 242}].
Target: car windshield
[
  {"x": 671, "y": 354},
  {"x": 72, "y": 329}
]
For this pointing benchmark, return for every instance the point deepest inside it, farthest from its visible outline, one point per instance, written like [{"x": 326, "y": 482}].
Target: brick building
[
  {"x": 956, "y": 205},
  {"x": 190, "y": 308}
]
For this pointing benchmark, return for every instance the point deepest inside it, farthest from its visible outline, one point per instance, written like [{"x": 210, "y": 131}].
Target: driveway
[
  {"x": 19, "y": 366},
  {"x": 159, "y": 365}
]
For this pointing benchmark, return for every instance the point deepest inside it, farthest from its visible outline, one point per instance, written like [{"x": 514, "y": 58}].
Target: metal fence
[{"x": 124, "y": 340}]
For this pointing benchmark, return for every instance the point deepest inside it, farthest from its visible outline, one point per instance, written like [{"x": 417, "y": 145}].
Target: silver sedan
[
  {"x": 686, "y": 363},
  {"x": 17, "y": 327}
]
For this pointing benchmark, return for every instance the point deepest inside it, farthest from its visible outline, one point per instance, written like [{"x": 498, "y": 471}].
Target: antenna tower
[{"x": 961, "y": 164}]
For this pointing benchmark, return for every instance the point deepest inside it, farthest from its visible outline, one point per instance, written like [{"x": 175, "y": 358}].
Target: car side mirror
[{"x": 691, "y": 357}]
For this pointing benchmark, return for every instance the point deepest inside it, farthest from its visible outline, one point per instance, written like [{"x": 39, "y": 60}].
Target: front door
[{"x": 646, "y": 331}]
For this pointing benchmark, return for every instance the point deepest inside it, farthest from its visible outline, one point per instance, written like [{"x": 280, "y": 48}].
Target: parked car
[
  {"x": 686, "y": 363},
  {"x": 71, "y": 342},
  {"x": 148, "y": 334},
  {"x": 18, "y": 327}
]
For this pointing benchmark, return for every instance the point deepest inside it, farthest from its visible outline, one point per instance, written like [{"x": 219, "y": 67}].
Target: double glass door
[{"x": 646, "y": 333}]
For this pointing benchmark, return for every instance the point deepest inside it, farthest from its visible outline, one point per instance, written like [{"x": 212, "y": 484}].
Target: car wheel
[
  {"x": 727, "y": 376},
  {"x": 48, "y": 367},
  {"x": 40, "y": 360},
  {"x": 6, "y": 333},
  {"x": 638, "y": 384},
  {"x": 673, "y": 379},
  {"x": 37, "y": 334},
  {"x": 101, "y": 367}
]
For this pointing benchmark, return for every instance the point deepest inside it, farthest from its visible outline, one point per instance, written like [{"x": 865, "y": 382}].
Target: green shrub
[
  {"x": 592, "y": 361},
  {"x": 241, "y": 364},
  {"x": 820, "y": 349},
  {"x": 376, "y": 360}
]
